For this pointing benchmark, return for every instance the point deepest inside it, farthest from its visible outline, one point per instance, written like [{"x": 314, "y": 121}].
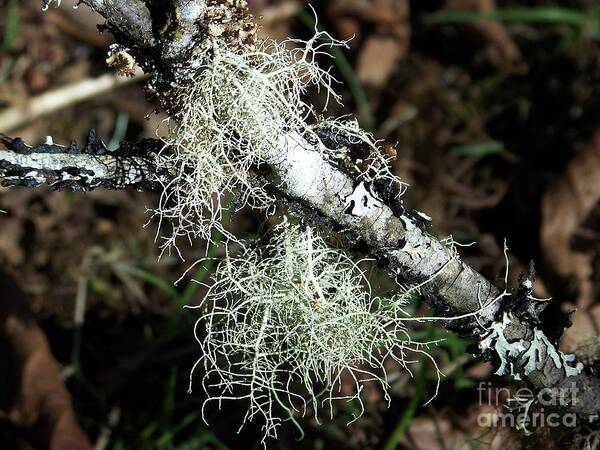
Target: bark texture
[
  {"x": 136, "y": 166},
  {"x": 471, "y": 303},
  {"x": 301, "y": 174},
  {"x": 187, "y": 13}
]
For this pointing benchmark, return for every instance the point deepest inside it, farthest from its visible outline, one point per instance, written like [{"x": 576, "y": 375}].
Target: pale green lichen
[
  {"x": 233, "y": 116},
  {"x": 282, "y": 325},
  {"x": 234, "y": 112},
  {"x": 506, "y": 351}
]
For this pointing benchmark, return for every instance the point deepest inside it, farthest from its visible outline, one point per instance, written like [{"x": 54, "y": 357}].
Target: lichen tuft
[{"x": 282, "y": 324}]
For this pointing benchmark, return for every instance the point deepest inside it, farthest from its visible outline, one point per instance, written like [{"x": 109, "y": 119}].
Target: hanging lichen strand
[
  {"x": 283, "y": 324},
  {"x": 233, "y": 113}
]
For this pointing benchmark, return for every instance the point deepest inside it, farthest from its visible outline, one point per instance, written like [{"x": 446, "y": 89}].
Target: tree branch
[
  {"x": 27, "y": 111},
  {"x": 468, "y": 302},
  {"x": 187, "y": 15},
  {"x": 507, "y": 332},
  {"x": 130, "y": 18},
  {"x": 136, "y": 166}
]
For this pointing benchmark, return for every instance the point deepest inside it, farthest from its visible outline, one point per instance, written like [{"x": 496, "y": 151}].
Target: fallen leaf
[
  {"x": 377, "y": 59},
  {"x": 462, "y": 433},
  {"x": 41, "y": 408},
  {"x": 378, "y": 11},
  {"x": 582, "y": 337},
  {"x": 439, "y": 432},
  {"x": 565, "y": 205},
  {"x": 383, "y": 49}
]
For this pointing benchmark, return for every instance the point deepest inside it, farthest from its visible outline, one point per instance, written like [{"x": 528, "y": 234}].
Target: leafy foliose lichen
[{"x": 517, "y": 358}]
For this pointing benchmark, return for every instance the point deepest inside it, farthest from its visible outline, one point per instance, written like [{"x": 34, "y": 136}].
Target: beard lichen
[
  {"x": 283, "y": 324},
  {"x": 230, "y": 119},
  {"x": 234, "y": 112}
]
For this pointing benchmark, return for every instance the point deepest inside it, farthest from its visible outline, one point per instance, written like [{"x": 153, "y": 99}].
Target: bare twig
[
  {"x": 83, "y": 168},
  {"x": 49, "y": 102}
]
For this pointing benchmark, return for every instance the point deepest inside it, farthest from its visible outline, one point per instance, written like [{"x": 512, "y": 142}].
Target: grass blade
[{"x": 535, "y": 15}]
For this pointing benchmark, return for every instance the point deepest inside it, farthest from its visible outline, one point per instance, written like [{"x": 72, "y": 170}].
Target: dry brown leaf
[
  {"x": 348, "y": 29},
  {"x": 279, "y": 12},
  {"x": 582, "y": 337},
  {"x": 378, "y": 11},
  {"x": 565, "y": 205},
  {"x": 377, "y": 59},
  {"x": 381, "y": 51},
  {"x": 432, "y": 433},
  {"x": 41, "y": 408}
]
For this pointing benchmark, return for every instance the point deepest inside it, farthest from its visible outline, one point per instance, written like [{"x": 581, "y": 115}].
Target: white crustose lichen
[{"x": 242, "y": 110}]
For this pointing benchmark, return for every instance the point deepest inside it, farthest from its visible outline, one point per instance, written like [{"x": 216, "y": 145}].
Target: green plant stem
[
  {"x": 478, "y": 148},
  {"x": 120, "y": 131},
  {"x": 153, "y": 280},
  {"x": 404, "y": 421},
  {"x": 539, "y": 15},
  {"x": 205, "y": 266},
  {"x": 402, "y": 425},
  {"x": 11, "y": 25}
]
